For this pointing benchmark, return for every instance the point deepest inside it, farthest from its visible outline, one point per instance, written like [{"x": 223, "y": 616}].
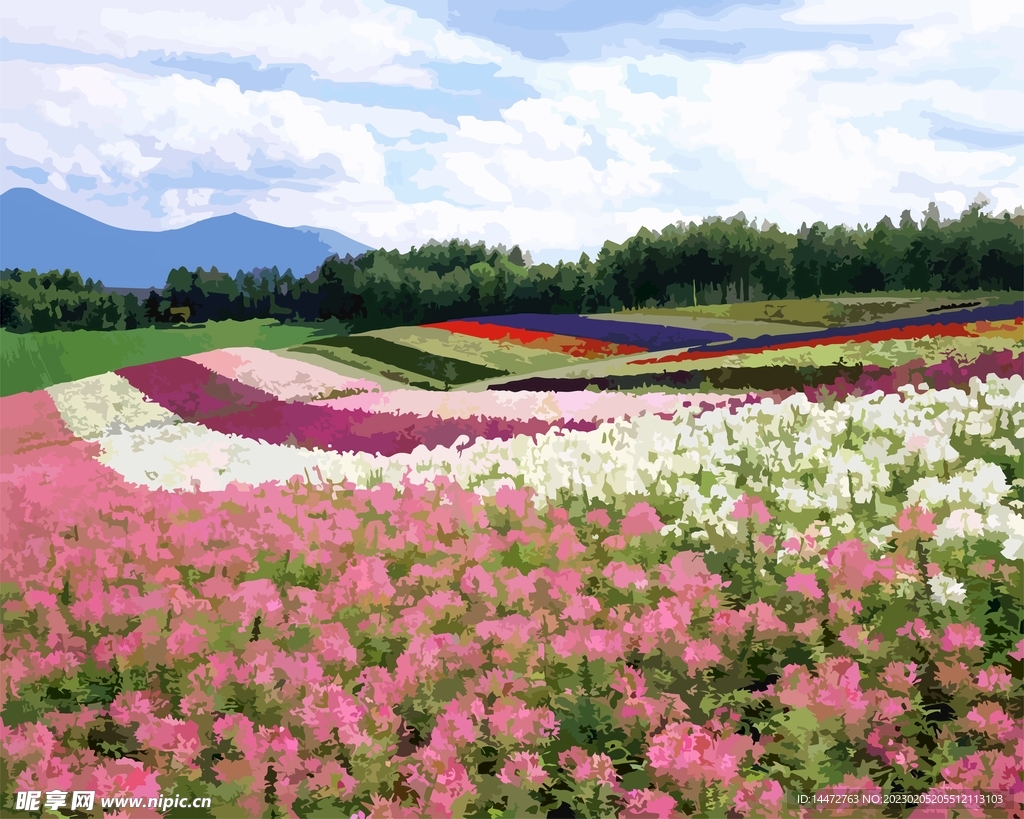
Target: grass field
[{"x": 32, "y": 361}]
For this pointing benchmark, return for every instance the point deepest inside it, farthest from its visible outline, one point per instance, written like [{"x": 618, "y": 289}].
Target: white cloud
[
  {"x": 829, "y": 134},
  {"x": 491, "y": 132}
]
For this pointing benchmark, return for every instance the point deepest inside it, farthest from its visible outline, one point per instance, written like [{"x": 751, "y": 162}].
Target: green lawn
[{"x": 32, "y": 361}]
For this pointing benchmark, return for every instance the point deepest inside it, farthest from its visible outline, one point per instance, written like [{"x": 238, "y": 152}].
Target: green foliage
[{"x": 718, "y": 260}]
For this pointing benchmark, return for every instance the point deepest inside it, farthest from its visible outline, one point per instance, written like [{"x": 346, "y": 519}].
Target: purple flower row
[{"x": 648, "y": 336}]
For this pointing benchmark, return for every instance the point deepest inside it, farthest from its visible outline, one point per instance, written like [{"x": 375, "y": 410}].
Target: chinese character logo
[{"x": 27, "y": 800}]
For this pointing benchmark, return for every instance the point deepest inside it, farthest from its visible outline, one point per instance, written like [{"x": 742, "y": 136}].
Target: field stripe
[
  {"x": 635, "y": 334},
  {"x": 888, "y": 333},
  {"x": 346, "y": 357},
  {"x": 288, "y": 379},
  {"x": 511, "y": 356},
  {"x": 195, "y": 394},
  {"x": 575, "y": 346},
  {"x": 440, "y": 368}
]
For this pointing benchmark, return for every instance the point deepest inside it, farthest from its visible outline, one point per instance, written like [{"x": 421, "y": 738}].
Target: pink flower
[
  {"x": 700, "y": 654},
  {"x": 585, "y": 767},
  {"x": 961, "y": 635},
  {"x": 642, "y": 519},
  {"x": 763, "y": 796},
  {"x": 885, "y": 742},
  {"x": 451, "y": 784},
  {"x": 185, "y": 640},
  {"x": 915, "y": 523},
  {"x": 598, "y": 517},
  {"x": 511, "y": 718},
  {"x": 623, "y": 575},
  {"x": 853, "y": 636},
  {"x": 988, "y": 718},
  {"x": 730, "y": 622},
  {"x": 691, "y": 755},
  {"x": 766, "y": 621},
  {"x": 992, "y": 770},
  {"x": 580, "y": 608},
  {"x": 916, "y": 628},
  {"x": 853, "y": 568},
  {"x": 477, "y": 580},
  {"x": 523, "y": 768},
  {"x": 792, "y": 545},
  {"x": 512, "y": 499},
  {"x": 640, "y": 804},
  {"x": 805, "y": 584},
  {"x": 687, "y": 574},
  {"x": 833, "y": 692},
  {"x": 996, "y": 677},
  {"x": 751, "y": 506},
  {"x": 900, "y": 676},
  {"x": 629, "y": 682},
  {"x": 568, "y": 544},
  {"x": 1019, "y": 653}
]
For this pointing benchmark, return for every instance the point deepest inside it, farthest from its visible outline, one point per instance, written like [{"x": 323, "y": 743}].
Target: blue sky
[{"x": 555, "y": 124}]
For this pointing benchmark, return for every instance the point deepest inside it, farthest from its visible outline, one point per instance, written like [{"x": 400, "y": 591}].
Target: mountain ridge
[{"x": 37, "y": 232}]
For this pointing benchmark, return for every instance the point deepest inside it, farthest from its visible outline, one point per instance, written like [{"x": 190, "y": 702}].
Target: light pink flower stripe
[
  {"x": 284, "y": 378},
  {"x": 293, "y": 380}
]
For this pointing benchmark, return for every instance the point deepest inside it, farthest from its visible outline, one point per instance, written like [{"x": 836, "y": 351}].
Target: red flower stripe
[{"x": 575, "y": 346}]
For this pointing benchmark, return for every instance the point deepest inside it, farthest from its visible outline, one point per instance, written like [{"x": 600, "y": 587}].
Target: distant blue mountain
[{"x": 36, "y": 232}]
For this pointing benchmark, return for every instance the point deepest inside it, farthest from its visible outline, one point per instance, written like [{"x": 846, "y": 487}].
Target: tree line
[{"x": 716, "y": 261}]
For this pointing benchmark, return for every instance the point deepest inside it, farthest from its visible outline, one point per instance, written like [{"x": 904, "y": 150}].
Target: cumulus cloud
[{"x": 398, "y": 123}]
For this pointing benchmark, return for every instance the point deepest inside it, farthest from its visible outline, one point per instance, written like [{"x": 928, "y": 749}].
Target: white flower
[
  {"x": 844, "y": 523},
  {"x": 961, "y": 523},
  {"x": 947, "y": 589},
  {"x": 1013, "y": 548}
]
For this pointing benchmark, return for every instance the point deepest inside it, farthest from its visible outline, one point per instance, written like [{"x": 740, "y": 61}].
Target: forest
[{"x": 716, "y": 261}]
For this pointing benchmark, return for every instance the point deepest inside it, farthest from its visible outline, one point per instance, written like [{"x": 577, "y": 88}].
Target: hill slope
[{"x": 36, "y": 232}]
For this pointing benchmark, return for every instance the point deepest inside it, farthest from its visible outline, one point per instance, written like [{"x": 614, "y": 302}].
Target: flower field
[
  {"x": 568, "y": 352},
  {"x": 243, "y": 576}
]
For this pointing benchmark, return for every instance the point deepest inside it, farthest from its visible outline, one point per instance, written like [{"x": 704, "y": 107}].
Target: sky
[{"x": 552, "y": 124}]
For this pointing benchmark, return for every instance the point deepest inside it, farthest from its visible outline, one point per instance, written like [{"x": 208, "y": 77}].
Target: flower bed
[
  {"x": 909, "y": 329},
  {"x": 443, "y": 369},
  {"x": 646, "y": 336},
  {"x": 285, "y": 378},
  {"x": 558, "y": 342},
  {"x": 698, "y": 612},
  {"x": 496, "y": 354},
  {"x": 195, "y": 394}
]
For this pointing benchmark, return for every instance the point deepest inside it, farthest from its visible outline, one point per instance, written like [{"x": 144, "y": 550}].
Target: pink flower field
[{"x": 245, "y": 577}]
